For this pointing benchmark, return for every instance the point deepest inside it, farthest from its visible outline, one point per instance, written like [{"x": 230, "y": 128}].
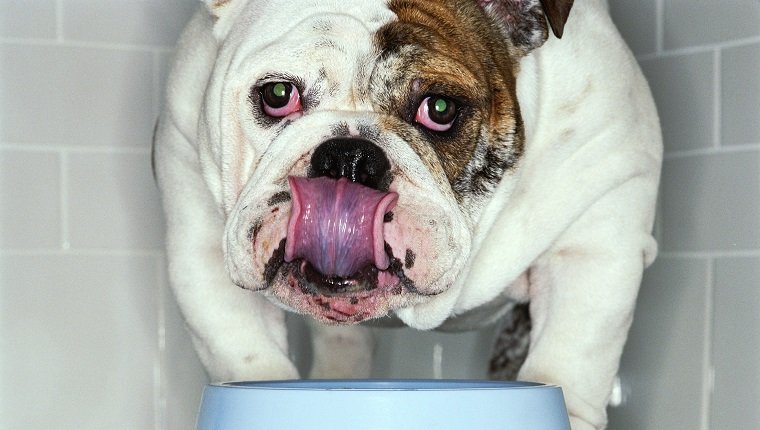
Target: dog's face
[{"x": 353, "y": 145}]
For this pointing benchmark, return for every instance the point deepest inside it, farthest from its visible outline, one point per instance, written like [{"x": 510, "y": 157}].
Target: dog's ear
[
  {"x": 557, "y": 12},
  {"x": 224, "y": 12},
  {"x": 524, "y": 21}
]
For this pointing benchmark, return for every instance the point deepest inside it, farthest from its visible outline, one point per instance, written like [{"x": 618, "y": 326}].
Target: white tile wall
[
  {"x": 740, "y": 81},
  {"x": 79, "y": 341},
  {"x": 181, "y": 372},
  {"x": 692, "y": 358},
  {"x": 639, "y": 25},
  {"x": 28, "y": 19},
  {"x": 408, "y": 353},
  {"x": 120, "y": 188},
  {"x": 30, "y": 200},
  {"x": 89, "y": 334},
  {"x": 684, "y": 93},
  {"x": 75, "y": 95},
  {"x": 736, "y": 344},
  {"x": 705, "y": 205},
  {"x": 664, "y": 354},
  {"x": 131, "y": 22},
  {"x": 694, "y": 23}
]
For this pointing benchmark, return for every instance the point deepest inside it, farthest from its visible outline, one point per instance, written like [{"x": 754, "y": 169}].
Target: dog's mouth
[
  {"x": 334, "y": 260},
  {"x": 337, "y": 225}
]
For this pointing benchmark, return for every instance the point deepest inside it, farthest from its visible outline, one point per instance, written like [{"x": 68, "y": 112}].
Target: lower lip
[
  {"x": 347, "y": 307},
  {"x": 341, "y": 309}
]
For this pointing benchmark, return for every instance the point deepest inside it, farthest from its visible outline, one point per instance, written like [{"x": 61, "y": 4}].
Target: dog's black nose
[{"x": 359, "y": 160}]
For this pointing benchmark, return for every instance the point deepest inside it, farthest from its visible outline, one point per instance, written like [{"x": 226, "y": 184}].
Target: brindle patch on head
[{"x": 450, "y": 48}]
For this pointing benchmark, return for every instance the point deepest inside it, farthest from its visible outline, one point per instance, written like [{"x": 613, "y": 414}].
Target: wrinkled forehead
[
  {"x": 266, "y": 22},
  {"x": 305, "y": 39},
  {"x": 299, "y": 29}
]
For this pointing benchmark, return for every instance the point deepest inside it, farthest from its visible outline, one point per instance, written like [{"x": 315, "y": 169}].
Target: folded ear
[
  {"x": 524, "y": 21},
  {"x": 557, "y": 12},
  {"x": 224, "y": 13}
]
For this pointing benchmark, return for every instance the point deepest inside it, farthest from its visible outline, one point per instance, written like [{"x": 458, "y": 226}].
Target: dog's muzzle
[{"x": 337, "y": 216}]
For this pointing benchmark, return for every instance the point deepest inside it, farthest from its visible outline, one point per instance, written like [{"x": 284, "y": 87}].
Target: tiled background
[
  {"x": 693, "y": 358},
  {"x": 89, "y": 335}
]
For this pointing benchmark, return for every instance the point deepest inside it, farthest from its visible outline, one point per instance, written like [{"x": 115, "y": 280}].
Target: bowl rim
[{"x": 381, "y": 385}]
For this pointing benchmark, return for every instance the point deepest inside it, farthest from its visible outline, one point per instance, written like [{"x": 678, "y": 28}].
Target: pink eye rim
[
  {"x": 434, "y": 120},
  {"x": 280, "y": 99}
]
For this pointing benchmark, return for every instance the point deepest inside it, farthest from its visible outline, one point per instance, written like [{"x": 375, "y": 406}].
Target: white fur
[{"x": 576, "y": 215}]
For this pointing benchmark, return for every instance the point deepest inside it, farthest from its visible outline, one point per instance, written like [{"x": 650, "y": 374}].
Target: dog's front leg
[
  {"x": 340, "y": 352},
  {"x": 583, "y": 291},
  {"x": 237, "y": 333}
]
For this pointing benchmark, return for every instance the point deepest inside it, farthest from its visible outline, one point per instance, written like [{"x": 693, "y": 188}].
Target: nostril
[{"x": 358, "y": 160}]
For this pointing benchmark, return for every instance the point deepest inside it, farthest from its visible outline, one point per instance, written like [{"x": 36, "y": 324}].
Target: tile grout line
[
  {"x": 85, "y": 252},
  {"x": 59, "y": 21},
  {"x": 751, "y": 147},
  {"x": 698, "y": 49},
  {"x": 159, "y": 372},
  {"x": 53, "y": 147},
  {"x": 64, "y": 189},
  {"x": 751, "y": 253},
  {"x": 86, "y": 44},
  {"x": 156, "y": 99},
  {"x": 659, "y": 26},
  {"x": 717, "y": 98},
  {"x": 707, "y": 365}
]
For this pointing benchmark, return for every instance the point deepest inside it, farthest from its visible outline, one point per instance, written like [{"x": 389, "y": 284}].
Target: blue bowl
[{"x": 382, "y": 404}]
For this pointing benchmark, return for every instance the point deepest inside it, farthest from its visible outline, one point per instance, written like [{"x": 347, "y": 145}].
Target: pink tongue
[{"x": 337, "y": 225}]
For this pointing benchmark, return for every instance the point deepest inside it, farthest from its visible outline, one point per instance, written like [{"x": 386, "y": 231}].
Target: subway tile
[
  {"x": 34, "y": 19},
  {"x": 144, "y": 22},
  {"x": 409, "y": 353},
  {"x": 75, "y": 96},
  {"x": 113, "y": 202},
  {"x": 637, "y": 22},
  {"x": 682, "y": 86},
  {"x": 30, "y": 200},
  {"x": 740, "y": 81},
  {"x": 184, "y": 376},
  {"x": 299, "y": 341},
  {"x": 699, "y": 22},
  {"x": 164, "y": 68},
  {"x": 661, "y": 367},
  {"x": 711, "y": 202},
  {"x": 736, "y": 344},
  {"x": 78, "y": 337}
]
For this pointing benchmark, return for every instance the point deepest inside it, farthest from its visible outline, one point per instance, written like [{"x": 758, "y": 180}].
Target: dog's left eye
[
  {"x": 279, "y": 99},
  {"x": 436, "y": 113}
]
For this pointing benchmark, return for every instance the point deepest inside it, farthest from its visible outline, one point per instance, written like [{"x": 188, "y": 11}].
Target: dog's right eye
[
  {"x": 436, "y": 113},
  {"x": 280, "y": 99}
]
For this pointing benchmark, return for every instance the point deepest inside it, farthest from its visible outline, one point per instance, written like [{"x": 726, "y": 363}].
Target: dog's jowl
[{"x": 444, "y": 163}]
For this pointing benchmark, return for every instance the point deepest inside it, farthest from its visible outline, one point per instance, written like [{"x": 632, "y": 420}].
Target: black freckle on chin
[
  {"x": 277, "y": 198},
  {"x": 409, "y": 259}
]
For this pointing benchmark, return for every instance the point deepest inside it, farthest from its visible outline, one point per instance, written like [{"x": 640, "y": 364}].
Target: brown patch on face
[{"x": 449, "y": 48}]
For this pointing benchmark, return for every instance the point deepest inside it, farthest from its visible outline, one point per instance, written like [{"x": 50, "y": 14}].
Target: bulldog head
[{"x": 352, "y": 146}]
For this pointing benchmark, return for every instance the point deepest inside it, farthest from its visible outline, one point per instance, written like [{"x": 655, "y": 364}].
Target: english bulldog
[{"x": 429, "y": 161}]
